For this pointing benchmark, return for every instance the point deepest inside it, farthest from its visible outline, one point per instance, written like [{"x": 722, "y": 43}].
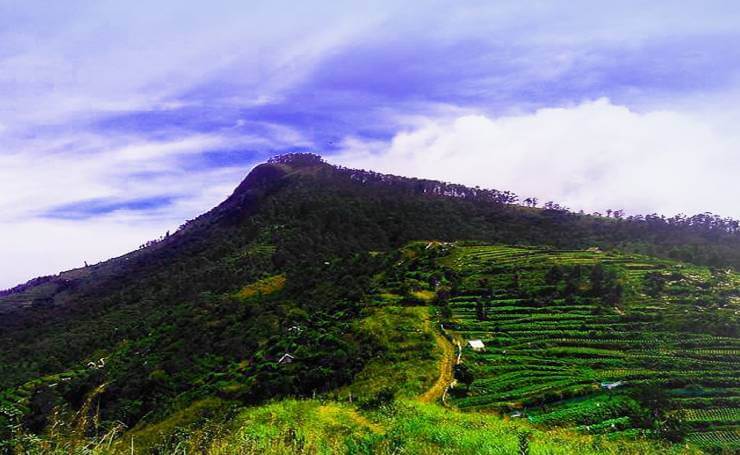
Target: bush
[{"x": 381, "y": 398}]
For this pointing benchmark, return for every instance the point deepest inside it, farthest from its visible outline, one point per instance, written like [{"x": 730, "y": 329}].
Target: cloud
[
  {"x": 94, "y": 58},
  {"x": 90, "y": 197},
  {"x": 51, "y": 173},
  {"x": 121, "y": 120},
  {"x": 39, "y": 247},
  {"x": 591, "y": 156},
  {"x": 58, "y": 235}
]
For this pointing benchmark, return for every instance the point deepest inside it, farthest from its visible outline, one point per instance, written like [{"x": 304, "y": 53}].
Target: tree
[
  {"x": 464, "y": 375},
  {"x": 615, "y": 294},
  {"x": 445, "y": 311},
  {"x": 480, "y": 310},
  {"x": 662, "y": 413},
  {"x": 515, "y": 280},
  {"x": 554, "y": 275},
  {"x": 572, "y": 281},
  {"x": 597, "y": 279},
  {"x": 654, "y": 284}
]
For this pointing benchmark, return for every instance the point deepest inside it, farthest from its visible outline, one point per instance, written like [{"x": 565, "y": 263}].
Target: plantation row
[
  {"x": 713, "y": 415},
  {"x": 572, "y": 337}
]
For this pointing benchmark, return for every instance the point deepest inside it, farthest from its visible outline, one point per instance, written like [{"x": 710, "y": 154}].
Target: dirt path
[{"x": 446, "y": 365}]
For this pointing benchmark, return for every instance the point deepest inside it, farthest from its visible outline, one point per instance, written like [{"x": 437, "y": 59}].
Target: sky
[{"x": 121, "y": 120}]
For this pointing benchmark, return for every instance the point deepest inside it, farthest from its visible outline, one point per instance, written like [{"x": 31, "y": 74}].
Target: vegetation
[
  {"x": 265, "y": 286},
  {"x": 405, "y": 358},
  {"x": 587, "y": 338},
  {"x": 405, "y": 427},
  {"x": 302, "y": 315}
]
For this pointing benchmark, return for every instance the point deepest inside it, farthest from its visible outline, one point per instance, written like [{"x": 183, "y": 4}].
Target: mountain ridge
[
  {"x": 268, "y": 176},
  {"x": 289, "y": 263}
]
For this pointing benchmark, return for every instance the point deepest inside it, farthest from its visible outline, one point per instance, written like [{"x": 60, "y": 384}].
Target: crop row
[
  {"x": 713, "y": 415},
  {"x": 719, "y": 439}
]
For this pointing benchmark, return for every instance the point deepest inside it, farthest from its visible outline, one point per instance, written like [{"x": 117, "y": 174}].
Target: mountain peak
[
  {"x": 266, "y": 174},
  {"x": 298, "y": 160}
]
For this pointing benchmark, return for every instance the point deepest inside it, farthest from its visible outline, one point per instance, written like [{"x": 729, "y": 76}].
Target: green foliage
[
  {"x": 164, "y": 327},
  {"x": 207, "y": 417},
  {"x": 405, "y": 357},
  {"x": 464, "y": 374},
  {"x": 588, "y": 338},
  {"x": 312, "y": 427}
]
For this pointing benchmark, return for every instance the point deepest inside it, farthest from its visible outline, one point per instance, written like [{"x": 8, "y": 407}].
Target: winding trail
[{"x": 446, "y": 365}]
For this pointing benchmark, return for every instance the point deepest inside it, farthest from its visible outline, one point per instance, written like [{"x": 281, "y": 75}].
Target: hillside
[
  {"x": 587, "y": 339},
  {"x": 308, "y": 259}
]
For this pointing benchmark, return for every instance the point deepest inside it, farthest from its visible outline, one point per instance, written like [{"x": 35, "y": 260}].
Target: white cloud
[
  {"x": 33, "y": 245},
  {"x": 64, "y": 67},
  {"x": 44, "y": 247},
  {"x": 46, "y": 174},
  {"x": 88, "y": 58},
  {"x": 592, "y": 156}
]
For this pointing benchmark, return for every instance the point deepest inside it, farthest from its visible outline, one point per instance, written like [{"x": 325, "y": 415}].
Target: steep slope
[{"x": 284, "y": 266}]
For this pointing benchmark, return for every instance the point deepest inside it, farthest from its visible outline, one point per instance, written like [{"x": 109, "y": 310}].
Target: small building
[
  {"x": 96, "y": 365},
  {"x": 477, "y": 345},
  {"x": 286, "y": 358},
  {"x": 611, "y": 385}
]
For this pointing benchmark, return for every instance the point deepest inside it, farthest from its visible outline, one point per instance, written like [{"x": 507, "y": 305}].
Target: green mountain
[{"x": 321, "y": 309}]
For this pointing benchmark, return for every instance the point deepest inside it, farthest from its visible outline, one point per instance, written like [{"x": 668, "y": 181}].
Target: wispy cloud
[{"x": 133, "y": 119}]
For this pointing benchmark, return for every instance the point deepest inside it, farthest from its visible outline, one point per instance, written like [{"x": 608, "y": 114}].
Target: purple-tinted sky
[{"x": 118, "y": 121}]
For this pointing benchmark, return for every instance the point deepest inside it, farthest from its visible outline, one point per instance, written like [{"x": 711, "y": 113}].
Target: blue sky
[{"x": 119, "y": 121}]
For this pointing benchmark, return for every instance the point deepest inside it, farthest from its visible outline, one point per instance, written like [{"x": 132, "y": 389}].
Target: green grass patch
[{"x": 265, "y": 286}]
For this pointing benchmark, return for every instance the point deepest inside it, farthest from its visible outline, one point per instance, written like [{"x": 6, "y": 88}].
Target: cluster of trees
[
  {"x": 702, "y": 223},
  {"x": 569, "y": 283},
  {"x": 26, "y": 286},
  {"x": 175, "y": 331},
  {"x": 433, "y": 187},
  {"x": 151, "y": 243},
  {"x": 706, "y": 295},
  {"x": 420, "y": 186},
  {"x": 658, "y": 412}
]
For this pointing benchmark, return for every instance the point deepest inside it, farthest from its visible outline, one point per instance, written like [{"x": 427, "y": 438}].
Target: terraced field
[{"x": 586, "y": 338}]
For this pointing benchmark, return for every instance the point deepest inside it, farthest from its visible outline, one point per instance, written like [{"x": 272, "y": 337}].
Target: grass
[
  {"x": 411, "y": 427},
  {"x": 265, "y": 286},
  {"x": 424, "y": 295},
  {"x": 298, "y": 427},
  {"x": 318, "y": 427},
  {"x": 146, "y": 438},
  {"x": 408, "y": 363}
]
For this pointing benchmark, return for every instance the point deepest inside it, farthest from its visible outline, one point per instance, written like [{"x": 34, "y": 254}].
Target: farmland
[{"x": 606, "y": 342}]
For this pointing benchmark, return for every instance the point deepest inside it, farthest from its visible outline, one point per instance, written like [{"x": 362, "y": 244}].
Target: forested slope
[{"x": 284, "y": 265}]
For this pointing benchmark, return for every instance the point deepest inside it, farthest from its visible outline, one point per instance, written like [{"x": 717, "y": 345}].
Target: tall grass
[{"x": 404, "y": 427}]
